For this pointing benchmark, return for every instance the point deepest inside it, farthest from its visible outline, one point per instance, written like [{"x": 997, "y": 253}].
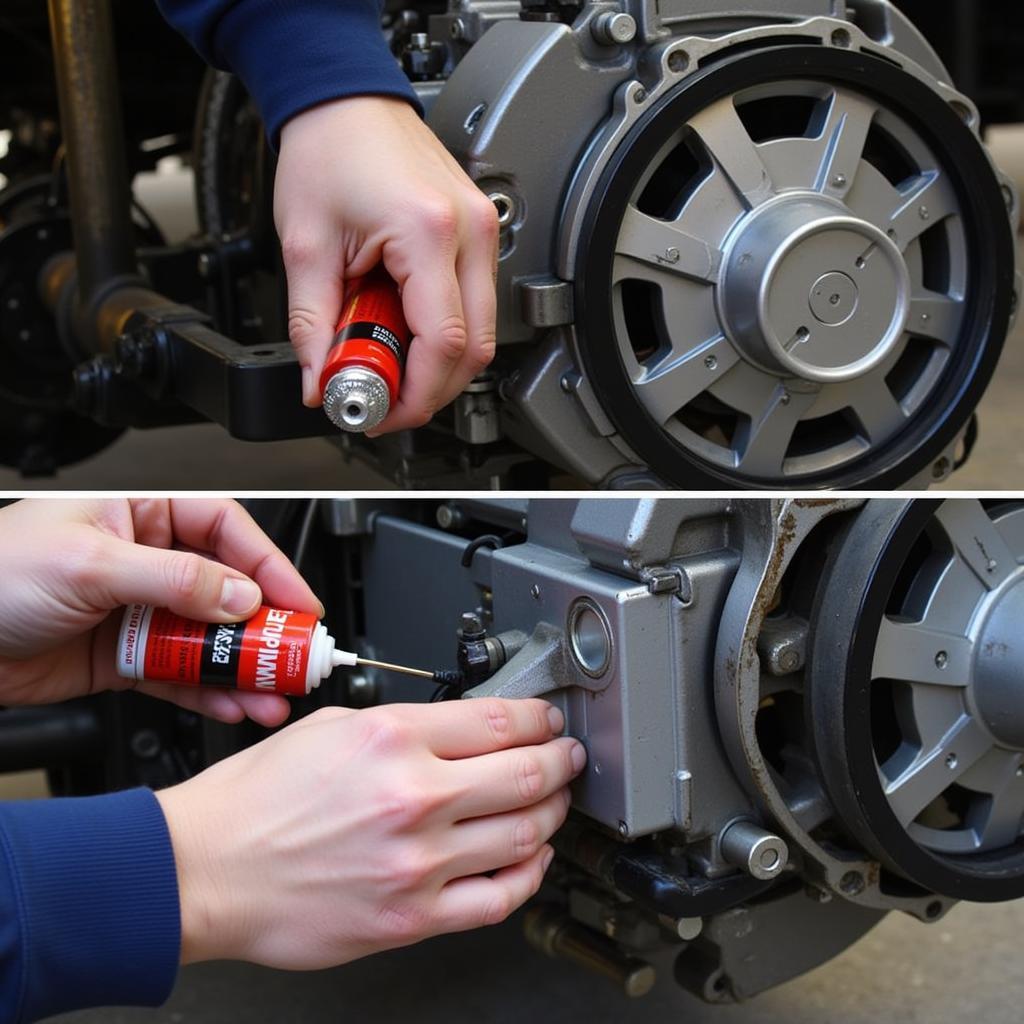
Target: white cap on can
[
  {"x": 324, "y": 657},
  {"x": 356, "y": 399}
]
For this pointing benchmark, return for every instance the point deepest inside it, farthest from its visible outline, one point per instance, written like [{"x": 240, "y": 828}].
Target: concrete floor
[{"x": 966, "y": 967}]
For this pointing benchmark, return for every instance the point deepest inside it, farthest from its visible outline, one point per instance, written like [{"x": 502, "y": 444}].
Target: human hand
[
  {"x": 362, "y": 180},
  {"x": 352, "y": 832},
  {"x": 68, "y": 564}
]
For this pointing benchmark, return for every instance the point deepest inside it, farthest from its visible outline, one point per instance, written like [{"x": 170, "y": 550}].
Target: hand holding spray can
[{"x": 363, "y": 373}]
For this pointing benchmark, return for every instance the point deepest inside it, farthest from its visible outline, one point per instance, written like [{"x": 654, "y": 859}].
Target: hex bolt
[
  {"x": 614, "y": 29},
  {"x": 470, "y": 624},
  {"x": 457, "y": 29},
  {"x": 760, "y": 853}
]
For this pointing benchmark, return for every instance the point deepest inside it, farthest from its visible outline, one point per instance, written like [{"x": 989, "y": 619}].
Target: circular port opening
[{"x": 590, "y": 637}]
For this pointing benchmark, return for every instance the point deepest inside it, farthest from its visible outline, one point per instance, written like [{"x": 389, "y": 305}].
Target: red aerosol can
[
  {"x": 276, "y": 651},
  {"x": 363, "y": 373}
]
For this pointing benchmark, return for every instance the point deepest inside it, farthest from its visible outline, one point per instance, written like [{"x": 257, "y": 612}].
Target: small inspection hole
[
  {"x": 842, "y": 38},
  {"x": 933, "y": 910},
  {"x": 678, "y": 60}
]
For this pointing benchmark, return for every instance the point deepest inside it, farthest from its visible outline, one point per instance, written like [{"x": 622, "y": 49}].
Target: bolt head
[
  {"x": 711, "y": 362},
  {"x": 471, "y": 623},
  {"x": 839, "y": 181},
  {"x": 672, "y": 254}
]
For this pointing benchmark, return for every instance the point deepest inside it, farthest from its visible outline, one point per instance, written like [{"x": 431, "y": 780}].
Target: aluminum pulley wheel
[
  {"x": 915, "y": 692},
  {"x": 796, "y": 270}
]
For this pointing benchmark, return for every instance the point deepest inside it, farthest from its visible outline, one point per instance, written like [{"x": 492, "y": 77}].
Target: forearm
[
  {"x": 88, "y": 905},
  {"x": 293, "y": 54}
]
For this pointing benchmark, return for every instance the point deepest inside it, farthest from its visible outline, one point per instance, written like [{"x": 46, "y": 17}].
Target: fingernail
[
  {"x": 579, "y": 757},
  {"x": 307, "y": 384},
  {"x": 238, "y": 596},
  {"x": 557, "y": 720},
  {"x": 323, "y": 610},
  {"x": 548, "y": 858}
]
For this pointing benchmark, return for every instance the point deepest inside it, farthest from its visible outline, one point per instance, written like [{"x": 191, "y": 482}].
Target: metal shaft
[
  {"x": 404, "y": 669},
  {"x": 92, "y": 126}
]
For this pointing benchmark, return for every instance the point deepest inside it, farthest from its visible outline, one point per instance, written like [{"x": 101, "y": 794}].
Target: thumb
[
  {"x": 187, "y": 583},
  {"x": 315, "y": 295}
]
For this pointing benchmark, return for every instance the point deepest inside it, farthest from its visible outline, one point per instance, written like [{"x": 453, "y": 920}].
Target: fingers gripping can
[
  {"x": 363, "y": 373},
  {"x": 276, "y": 651}
]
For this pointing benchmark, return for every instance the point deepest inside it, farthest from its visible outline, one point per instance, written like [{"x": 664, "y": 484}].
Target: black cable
[{"x": 488, "y": 540}]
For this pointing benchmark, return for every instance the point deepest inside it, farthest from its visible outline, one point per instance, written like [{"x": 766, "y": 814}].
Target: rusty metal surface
[
  {"x": 774, "y": 532},
  {"x": 93, "y": 130}
]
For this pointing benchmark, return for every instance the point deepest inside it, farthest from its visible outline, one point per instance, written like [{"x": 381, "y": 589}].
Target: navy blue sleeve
[
  {"x": 89, "y": 912},
  {"x": 293, "y": 54}
]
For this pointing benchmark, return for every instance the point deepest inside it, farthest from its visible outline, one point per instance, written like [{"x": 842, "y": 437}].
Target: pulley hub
[
  {"x": 791, "y": 318},
  {"x": 997, "y": 690}
]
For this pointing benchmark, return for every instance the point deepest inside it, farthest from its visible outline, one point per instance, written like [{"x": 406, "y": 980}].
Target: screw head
[
  {"x": 711, "y": 362},
  {"x": 639, "y": 95},
  {"x": 535, "y": 592},
  {"x": 839, "y": 181},
  {"x": 952, "y": 761},
  {"x": 941, "y": 659},
  {"x": 925, "y": 213},
  {"x": 672, "y": 254}
]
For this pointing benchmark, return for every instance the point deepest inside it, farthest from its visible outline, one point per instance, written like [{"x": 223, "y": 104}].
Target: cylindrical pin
[{"x": 363, "y": 373}]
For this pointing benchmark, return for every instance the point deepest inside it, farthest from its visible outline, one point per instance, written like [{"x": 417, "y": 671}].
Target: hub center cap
[
  {"x": 834, "y": 299},
  {"x": 998, "y": 688},
  {"x": 790, "y": 318}
]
